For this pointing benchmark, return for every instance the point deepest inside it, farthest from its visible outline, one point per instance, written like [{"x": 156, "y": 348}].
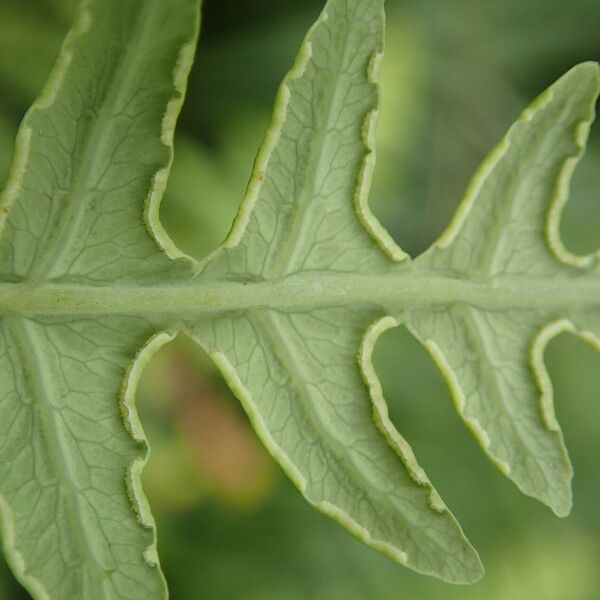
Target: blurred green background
[{"x": 456, "y": 74}]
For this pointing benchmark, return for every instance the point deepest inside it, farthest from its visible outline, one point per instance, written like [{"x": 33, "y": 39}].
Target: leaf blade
[
  {"x": 315, "y": 416},
  {"x": 79, "y": 169},
  {"x": 67, "y": 517},
  {"x": 317, "y": 157},
  {"x": 511, "y": 210}
]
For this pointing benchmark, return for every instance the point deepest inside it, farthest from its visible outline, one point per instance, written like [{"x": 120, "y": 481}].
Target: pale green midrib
[
  {"x": 280, "y": 344},
  {"x": 393, "y": 291},
  {"x": 31, "y": 361},
  {"x": 75, "y": 208}
]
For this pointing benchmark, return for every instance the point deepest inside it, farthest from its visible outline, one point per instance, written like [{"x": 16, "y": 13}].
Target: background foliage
[{"x": 455, "y": 76}]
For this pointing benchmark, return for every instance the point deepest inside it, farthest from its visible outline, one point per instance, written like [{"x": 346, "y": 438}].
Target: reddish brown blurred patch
[{"x": 230, "y": 458}]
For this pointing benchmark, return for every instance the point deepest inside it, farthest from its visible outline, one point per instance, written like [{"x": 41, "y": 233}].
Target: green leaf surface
[{"x": 289, "y": 307}]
